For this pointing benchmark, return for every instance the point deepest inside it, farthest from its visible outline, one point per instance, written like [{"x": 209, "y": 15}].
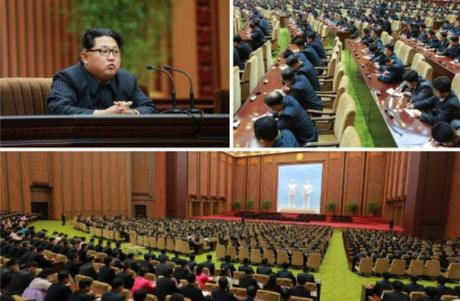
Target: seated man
[
  {"x": 413, "y": 286},
  {"x": 305, "y": 68},
  {"x": 453, "y": 51},
  {"x": 84, "y": 293},
  {"x": 416, "y": 87},
  {"x": 315, "y": 42},
  {"x": 393, "y": 69},
  {"x": 263, "y": 268},
  {"x": 299, "y": 290},
  {"x": 443, "y": 106},
  {"x": 243, "y": 48},
  {"x": 292, "y": 116},
  {"x": 309, "y": 52},
  {"x": 396, "y": 294},
  {"x": 96, "y": 85},
  {"x": 442, "y": 289},
  {"x": 376, "y": 39},
  {"x": 382, "y": 285},
  {"x": 432, "y": 41},
  {"x": 431, "y": 294},
  {"x": 268, "y": 135},
  {"x": 443, "y": 42},
  {"x": 377, "y": 55},
  {"x": 257, "y": 36},
  {"x": 300, "y": 88}
]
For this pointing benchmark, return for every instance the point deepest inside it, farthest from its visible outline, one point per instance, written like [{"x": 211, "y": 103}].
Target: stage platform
[{"x": 358, "y": 222}]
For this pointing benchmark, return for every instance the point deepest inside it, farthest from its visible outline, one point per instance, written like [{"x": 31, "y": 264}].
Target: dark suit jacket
[
  {"x": 247, "y": 281},
  {"x": 19, "y": 282},
  {"x": 106, "y": 274},
  {"x": 111, "y": 296},
  {"x": 74, "y": 91},
  {"x": 80, "y": 296},
  {"x": 222, "y": 295},
  {"x": 264, "y": 270},
  {"x": 303, "y": 91},
  {"x": 180, "y": 273},
  {"x": 58, "y": 291},
  {"x": 165, "y": 286},
  {"x": 411, "y": 287},
  {"x": 444, "y": 290},
  {"x": 446, "y": 110},
  {"x": 300, "y": 291},
  {"x": 88, "y": 270},
  {"x": 192, "y": 292},
  {"x": 382, "y": 285},
  {"x": 309, "y": 277},
  {"x": 395, "y": 296}
]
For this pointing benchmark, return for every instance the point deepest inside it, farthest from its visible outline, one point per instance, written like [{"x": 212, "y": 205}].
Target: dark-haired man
[
  {"x": 301, "y": 89},
  {"x": 292, "y": 116},
  {"x": 304, "y": 67},
  {"x": 443, "y": 106},
  {"x": 453, "y": 51},
  {"x": 257, "y": 36},
  {"x": 416, "y": 87},
  {"x": 59, "y": 290},
  {"x": 393, "y": 68},
  {"x": 97, "y": 85},
  {"x": 396, "y": 294},
  {"x": 84, "y": 291},
  {"x": 243, "y": 48},
  {"x": 445, "y": 134},
  {"x": 190, "y": 290}
]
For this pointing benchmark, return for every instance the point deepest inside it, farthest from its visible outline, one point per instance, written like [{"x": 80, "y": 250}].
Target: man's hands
[{"x": 118, "y": 108}]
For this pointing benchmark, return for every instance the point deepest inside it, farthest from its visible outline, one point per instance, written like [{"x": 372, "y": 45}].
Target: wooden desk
[
  {"x": 176, "y": 130},
  {"x": 442, "y": 66},
  {"x": 381, "y": 109}
]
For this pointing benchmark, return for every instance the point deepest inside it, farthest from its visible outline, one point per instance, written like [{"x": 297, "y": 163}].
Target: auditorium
[
  {"x": 230, "y": 225},
  {"x": 327, "y": 73},
  {"x": 122, "y": 73}
]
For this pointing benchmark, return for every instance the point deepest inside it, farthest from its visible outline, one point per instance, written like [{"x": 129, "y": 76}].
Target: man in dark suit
[
  {"x": 304, "y": 67},
  {"x": 268, "y": 135},
  {"x": 227, "y": 264},
  {"x": 307, "y": 275},
  {"x": 299, "y": 290},
  {"x": 442, "y": 289},
  {"x": 245, "y": 266},
  {"x": 431, "y": 294},
  {"x": 257, "y": 36},
  {"x": 263, "y": 268},
  {"x": 382, "y": 285},
  {"x": 115, "y": 293},
  {"x": 209, "y": 264},
  {"x": 182, "y": 271},
  {"x": 243, "y": 49},
  {"x": 443, "y": 106},
  {"x": 291, "y": 116},
  {"x": 396, "y": 294},
  {"x": 308, "y": 51},
  {"x": 162, "y": 267},
  {"x": 285, "y": 273},
  {"x": 127, "y": 276},
  {"x": 446, "y": 134},
  {"x": 301, "y": 89},
  {"x": 88, "y": 269},
  {"x": 413, "y": 286},
  {"x": 40, "y": 259},
  {"x": 312, "y": 39},
  {"x": 84, "y": 293},
  {"x": 165, "y": 286},
  {"x": 190, "y": 290},
  {"x": 19, "y": 281},
  {"x": 96, "y": 85},
  {"x": 251, "y": 291},
  {"x": 106, "y": 273},
  {"x": 453, "y": 51},
  {"x": 393, "y": 68},
  {"x": 416, "y": 87},
  {"x": 191, "y": 262},
  {"x": 60, "y": 290},
  {"x": 222, "y": 293},
  {"x": 247, "y": 280}
]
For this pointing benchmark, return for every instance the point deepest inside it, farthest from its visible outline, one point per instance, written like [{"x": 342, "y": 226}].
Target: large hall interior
[{"x": 264, "y": 225}]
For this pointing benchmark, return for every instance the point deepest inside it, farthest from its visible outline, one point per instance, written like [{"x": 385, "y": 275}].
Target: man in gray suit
[{"x": 97, "y": 85}]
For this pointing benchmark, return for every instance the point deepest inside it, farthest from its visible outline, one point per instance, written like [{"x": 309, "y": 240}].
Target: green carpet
[
  {"x": 338, "y": 282},
  {"x": 351, "y": 71},
  {"x": 284, "y": 42}
]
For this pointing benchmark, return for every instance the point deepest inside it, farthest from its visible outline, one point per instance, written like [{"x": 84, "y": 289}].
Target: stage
[{"x": 357, "y": 222}]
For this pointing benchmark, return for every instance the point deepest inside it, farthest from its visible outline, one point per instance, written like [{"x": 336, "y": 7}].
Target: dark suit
[
  {"x": 307, "y": 69},
  {"x": 88, "y": 270},
  {"x": 106, "y": 274},
  {"x": 19, "y": 281},
  {"x": 286, "y": 274},
  {"x": 263, "y": 269},
  {"x": 162, "y": 268},
  {"x": 308, "y": 277},
  {"x": 210, "y": 265},
  {"x": 180, "y": 273},
  {"x": 422, "y": 91},
  {"x": 80, "y": 296},
  {"x": 294, "y": 118},
  {"x": 257, "y": 37},
  {"x": 244, "y": 51},
  {"x": 394, "y": 72},
  {"x": 222, "y": 295},
  {"x": 414, "y": 287},
  {"x": 111, "y": 296},
  {"x": 165, "y": 286},
  {"x": 312, "y": 56},
  {"x": 446, "y": 110},
  {"x": 444, "y": 290},
  {"x": 75, "y": 91},
  {"x": 128, "y": 280},
  {"x": 303, "y": 91},
  {"x": 192, "y": 292},
  {"x": 395, "y": 296},
  {"x": 452, "y": 52},
  {"x": 247, "y": 281},
  {"x": 300, "y": 291},
  {"x": 58, "y": 291},
  {"x": 245, "y": 268},
  {"x": 381, "y": 286}
]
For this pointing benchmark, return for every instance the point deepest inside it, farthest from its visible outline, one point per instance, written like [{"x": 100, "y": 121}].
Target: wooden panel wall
[
  {"x": 35, "y": 41},
  {"x": 353, "y": 181},
  {"x": 453, "y": 212},
  {"x": 84, "y": 182}
]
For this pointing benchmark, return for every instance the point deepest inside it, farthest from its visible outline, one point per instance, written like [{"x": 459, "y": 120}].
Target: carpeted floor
[{"x": 338, "y": 282}]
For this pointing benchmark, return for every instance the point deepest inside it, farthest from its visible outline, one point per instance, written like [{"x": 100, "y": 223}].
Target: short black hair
[
  {"x": 84, "y": 283},
  {"x": 287, "y": 53},
  {"x": 63, "y": 275},
  {"x": 373, "y": 47},
  {"x": 454, "y": 39},
  {"x": 398, "y": 285},
  {"x": 288, "y": 73},
  {"x": 386, "y": 275},
  {"x": 273, "y": 99},
  {"x": 237, "y": 38},
  {"x": 301, "y": 279},
  {"x": 191, "y": 278},
  {"x": 223, "y": 282},
  {"x": 410, "y": 76},
  {"x": 87, "y": 40},
  {"x": 430, "y": 291},
  {"x": 140, "y": 294},
  {"x": 292, "y": 60},
  {"x": 177, "y": 297},
  {"x": 299, "y": 41},
  {"x": 251, "y": 291},
  {"x": 443, "y": 132},
  {"x": 311, "y": 34},
  {"x": 442, "y": 84},
  {"x": 117, "y": 283},
  {"x": 389, "y": 47}
]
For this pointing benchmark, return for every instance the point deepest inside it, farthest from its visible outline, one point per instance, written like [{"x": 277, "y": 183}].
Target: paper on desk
[
  {"x": 258, "y": 117},
  {"x": 282, "y": 67},
  {"x": 367, "y": 57},
  {"x": 392, "y": 91},
  {"x": 410, "y": 112}
]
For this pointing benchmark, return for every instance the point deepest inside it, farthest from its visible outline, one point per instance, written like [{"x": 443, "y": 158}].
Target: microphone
[
  {"x": 191, "y": 90},
  {"x": 173, "y": 88}
]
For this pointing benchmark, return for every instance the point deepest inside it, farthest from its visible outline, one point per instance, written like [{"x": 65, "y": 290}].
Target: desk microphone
[
  {"x": 191, "y": 90},
  {"x": 173, "y": 109}
]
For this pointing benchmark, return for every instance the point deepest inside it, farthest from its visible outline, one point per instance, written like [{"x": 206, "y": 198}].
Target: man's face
[
  {"x": 387, "y": 52},
  {"x": 103, "y": 64}
]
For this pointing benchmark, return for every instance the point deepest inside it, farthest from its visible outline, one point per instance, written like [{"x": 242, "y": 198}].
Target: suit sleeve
[
  {"x": 425, "y": 93},
  {"x": 441, "y": 115},
  {"x": 285, "y": 122},
  {"x": 63, "y": 98},
  {"x": 142, "y": 103},
  {"x": 427, "y": 103}
]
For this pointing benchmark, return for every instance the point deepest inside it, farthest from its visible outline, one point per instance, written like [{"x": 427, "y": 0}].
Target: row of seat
[{"x": 430, "y": 268}]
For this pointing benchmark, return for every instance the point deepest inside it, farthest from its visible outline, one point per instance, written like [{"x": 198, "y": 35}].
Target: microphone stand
[{"x": 174, "y": 109}]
